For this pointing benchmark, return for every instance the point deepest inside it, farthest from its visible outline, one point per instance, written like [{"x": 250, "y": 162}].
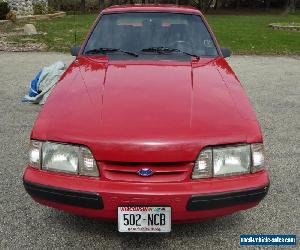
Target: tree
[
  {"x": 290, "y": 6},
  {"x": 114, "y": 2},
  {"x": 56, "y": 4},
  {"x": 293, "y": 5},
  {"x": 101, "y": 5},
  {"x": 82, "y": 5},
  {"x": 267, "y": 4}
]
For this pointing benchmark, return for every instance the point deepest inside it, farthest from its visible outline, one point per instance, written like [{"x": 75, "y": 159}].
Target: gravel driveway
[{"x": 273, "y": 84}]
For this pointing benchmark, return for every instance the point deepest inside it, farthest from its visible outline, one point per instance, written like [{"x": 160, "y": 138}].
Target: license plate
[{"x": 144, "y": 219}]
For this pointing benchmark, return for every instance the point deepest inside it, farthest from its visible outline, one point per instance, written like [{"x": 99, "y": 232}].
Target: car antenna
[{"x": 75, "y": 26}]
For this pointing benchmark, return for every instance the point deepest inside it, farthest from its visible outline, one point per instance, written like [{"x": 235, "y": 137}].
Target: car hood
[{"x": 147, "y": 111}]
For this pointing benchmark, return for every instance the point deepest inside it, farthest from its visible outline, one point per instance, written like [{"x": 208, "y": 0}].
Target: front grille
[{"x": 162, "y": 172}]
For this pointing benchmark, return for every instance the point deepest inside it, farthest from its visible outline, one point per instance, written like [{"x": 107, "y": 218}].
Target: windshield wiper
[
  {"x": 109, "y": 50},
  {"x": 163, "y": 50},
  {"x": 154, "y": 49}
]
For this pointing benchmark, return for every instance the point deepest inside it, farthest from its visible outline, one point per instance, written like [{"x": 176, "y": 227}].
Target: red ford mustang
[{"x": 148, "y": 126}]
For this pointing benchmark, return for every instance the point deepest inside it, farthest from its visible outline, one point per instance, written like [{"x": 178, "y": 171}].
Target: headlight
[
  {"x": 230, "y": 160},
  {"x": 60, "y": 157},
  {"x": 65, "y": 158}
]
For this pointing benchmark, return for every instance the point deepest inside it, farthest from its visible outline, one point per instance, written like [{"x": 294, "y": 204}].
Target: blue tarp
[
  {"x": 34, "y": 86},
  {"x": 43, "y": 83}
]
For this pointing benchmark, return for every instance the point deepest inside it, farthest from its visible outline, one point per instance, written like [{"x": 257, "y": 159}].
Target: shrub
[
  {"x": 51, "y": 10},
  {"x": 40, "y": 9},
  {"x": 74, "y": 5},
  {"x": 4, "y": 9},
  {"x": 12, "y": 15}
]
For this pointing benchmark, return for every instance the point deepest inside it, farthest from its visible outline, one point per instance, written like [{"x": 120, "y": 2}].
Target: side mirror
[
  {"x": 75, "y": 51},
  {"x": 226, "y": 52}
]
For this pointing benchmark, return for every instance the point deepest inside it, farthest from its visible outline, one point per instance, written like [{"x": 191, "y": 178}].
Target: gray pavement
[{"x": 273, "y": 85}]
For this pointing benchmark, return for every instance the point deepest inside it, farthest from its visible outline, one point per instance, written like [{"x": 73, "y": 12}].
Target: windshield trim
[{"x": 209, "y": 30}]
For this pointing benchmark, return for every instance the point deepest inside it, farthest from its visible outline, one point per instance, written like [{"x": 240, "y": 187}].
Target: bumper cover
[{"x": 185, "y": 198}]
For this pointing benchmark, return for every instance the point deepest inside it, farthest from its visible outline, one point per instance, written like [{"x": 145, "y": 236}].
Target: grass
[
  {"x": 59, "y": 34},
  {"x": 251, "y": 34},
  {"x": 244, "y": 34}
]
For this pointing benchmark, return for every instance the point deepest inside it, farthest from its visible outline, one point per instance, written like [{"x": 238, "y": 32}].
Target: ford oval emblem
[{"x": 145, "y": 172}]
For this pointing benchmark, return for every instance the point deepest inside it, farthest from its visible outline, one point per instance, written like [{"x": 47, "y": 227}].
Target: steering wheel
[{"x": 180, "y": 44}]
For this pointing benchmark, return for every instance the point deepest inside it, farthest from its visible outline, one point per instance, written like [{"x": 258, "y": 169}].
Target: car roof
[{"x": 152, "y": 7}]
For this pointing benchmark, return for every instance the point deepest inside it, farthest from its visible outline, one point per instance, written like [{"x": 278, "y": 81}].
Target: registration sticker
[{"x": 135, "y": 219}]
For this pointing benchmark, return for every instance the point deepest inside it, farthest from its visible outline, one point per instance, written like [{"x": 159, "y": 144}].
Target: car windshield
[{"x": 151, "y": 32}]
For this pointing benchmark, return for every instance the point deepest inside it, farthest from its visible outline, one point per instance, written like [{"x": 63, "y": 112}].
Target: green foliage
[
  {"x": 4, "y": 9},
  {"x": 51, "y": 10},
  {"x": 40, "y": 9},
  {"x": 74, "y": 5}
]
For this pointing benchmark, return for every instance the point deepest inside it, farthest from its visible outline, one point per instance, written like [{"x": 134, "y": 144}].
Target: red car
[{"x": 149, "y": 126}]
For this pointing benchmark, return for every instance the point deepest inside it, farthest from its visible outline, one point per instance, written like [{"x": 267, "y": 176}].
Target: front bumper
[{"x": 190, "y": 201}]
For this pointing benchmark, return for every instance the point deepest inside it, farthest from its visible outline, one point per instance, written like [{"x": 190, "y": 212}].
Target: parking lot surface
[{"x": 273, "y": 85}]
